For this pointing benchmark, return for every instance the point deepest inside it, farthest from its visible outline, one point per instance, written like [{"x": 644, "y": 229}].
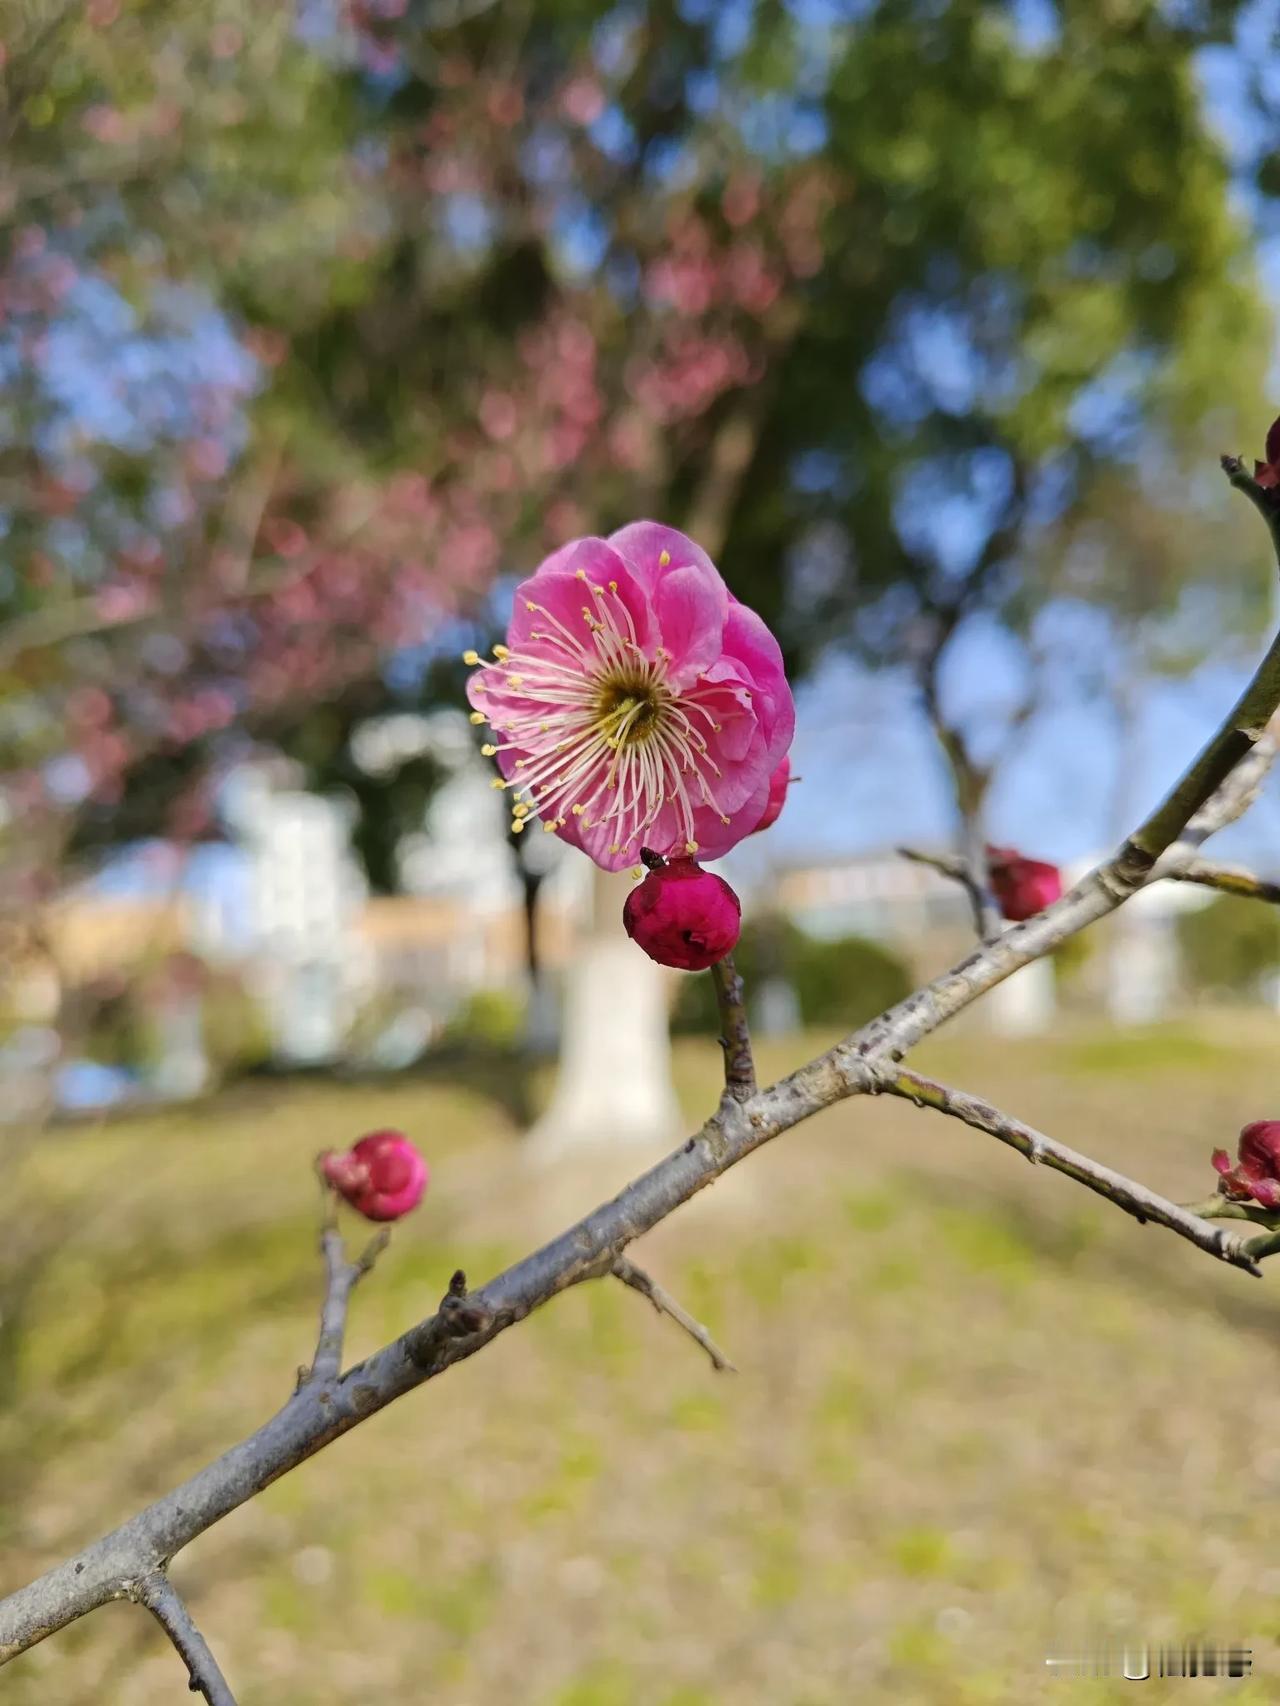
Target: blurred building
[{"x": 882, "y": 896}]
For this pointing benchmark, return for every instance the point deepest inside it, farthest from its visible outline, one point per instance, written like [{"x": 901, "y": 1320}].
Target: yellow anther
[
  {"x": 613, "y": 586},
  {"x": 501, "y": 652},
  {"x": 615, "y": 847},
  {"x": 471, "y": 657},
  {"x": 498, "y": 782},
  {"x": 521, "y": 763},
  {"x": 529, "y": 604},
  {"x": 691, "y": 846},
  {"x": 515, "y": 680},
  {"x": 717, "y": 727},
  {"x": 520, "y": 808},
  {"x": 580, "y": 574},
  {"x": 478, "y": 717},
  {"x": 664, "y": 557},
  {"x": 544, "y": 727},
  {"x": 577, "y": 810},
  {"x": 549, "y": 827},
  {"x": 489, "y": 750},
  {"x": 637, "y": 870},
  {"x": 517, "y": 826}
]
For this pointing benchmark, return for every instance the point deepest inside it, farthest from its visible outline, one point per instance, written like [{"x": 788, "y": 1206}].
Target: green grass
[{"x": 977, "y": 1411}]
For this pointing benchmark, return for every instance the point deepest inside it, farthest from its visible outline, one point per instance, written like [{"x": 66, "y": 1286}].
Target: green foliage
[
  {"x": 492, "y": 1017},
  {"x": 840, "y": 982},
  {"x": 237, "y": 1036},
  {"x": 1230, "y": 945}
]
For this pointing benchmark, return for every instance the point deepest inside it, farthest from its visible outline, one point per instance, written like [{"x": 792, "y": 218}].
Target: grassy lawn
[{"x": 978, "y": 1415}]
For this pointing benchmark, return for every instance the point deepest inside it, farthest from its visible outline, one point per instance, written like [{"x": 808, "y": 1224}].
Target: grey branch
[
  {"x": 169, "y": 1609},
  {"x": 1127, "y": 1194},
  {"x": 341, "y": 1279},
  {"x": 665, "y": 1304},
  {"x": 322, "y": 1410},
  {"x": 735, "y": 1035},
  {"x": 1228, "y": 879},
  {"x": 959, "y": 871}
]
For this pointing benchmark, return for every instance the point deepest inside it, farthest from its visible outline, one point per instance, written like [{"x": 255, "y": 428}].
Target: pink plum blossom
[
  {"x": 1256, "y": 1174},
  {"x": 683, "y": 916},
  {"x": 636, "y": 702},
  {"x": 382, "y": 1176}
]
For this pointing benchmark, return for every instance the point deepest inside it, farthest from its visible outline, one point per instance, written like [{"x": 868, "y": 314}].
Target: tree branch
[
  {"x": 169, "y": 1609},
  {"x": 341, "y": 1279},
  {"x": 948, "y": 865},
  {"x": 665, "y": 1304},
  {"x": 735, "y": 1035},
  {"x": 1126, "y": 1193},
  {"x": 1228, "y": 879}
]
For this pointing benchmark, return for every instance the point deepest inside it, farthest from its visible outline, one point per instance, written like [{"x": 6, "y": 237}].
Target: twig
[
  {"x": 169, "y": 1609},
  {"x": 1229, "y": 879},
  {"x": 948, "y": 865},
  {"x": 341, "y": 1279},
  {"x": 735, "y": 1035},
  {"x": 1126, "y": 1193},
  {"x": 665, "y": 1304}
]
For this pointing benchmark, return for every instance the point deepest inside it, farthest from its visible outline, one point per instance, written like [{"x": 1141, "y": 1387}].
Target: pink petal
[
  {"x": 1221, "y": 1161},
  {"x": 747, "y": 638},
  {"x": 690, "y": 606},
  {"x": 644, "y": 543}
]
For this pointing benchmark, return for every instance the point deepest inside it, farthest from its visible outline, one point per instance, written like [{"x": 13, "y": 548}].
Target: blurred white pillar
[
  {"x": 1142, "y": 965},
  {"x": 614, "y": 1080},
  {"x": 1024, "y": 1005}
]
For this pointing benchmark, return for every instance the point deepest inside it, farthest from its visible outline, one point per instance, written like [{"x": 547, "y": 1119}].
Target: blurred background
[{"x": 320, "y": 323}]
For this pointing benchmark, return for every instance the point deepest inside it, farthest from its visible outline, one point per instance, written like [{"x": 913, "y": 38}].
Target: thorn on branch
[{"x": 627, "y": 1271}]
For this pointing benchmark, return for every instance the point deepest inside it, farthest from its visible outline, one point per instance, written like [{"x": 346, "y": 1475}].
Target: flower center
[{"x": 628, "y": 709}]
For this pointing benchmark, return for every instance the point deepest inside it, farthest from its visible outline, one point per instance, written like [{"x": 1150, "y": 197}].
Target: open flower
[
  {"x": 1256, "y": 1174},
  {"x": 636, "y": 701},
  {"x": 1022, "y": 886},
  {"x": 382, "y": 1176},
  {"x": 1268, "y": 473}
]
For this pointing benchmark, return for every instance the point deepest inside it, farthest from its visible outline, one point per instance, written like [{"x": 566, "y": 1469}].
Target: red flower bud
[
  {"x": 779, "y": 782},
  {"x": 382, "y": 1176},
  {"x": 1022, "y": 886},
  {"x": 1268, "y": 473},
  {"x": 683, "y": 916},
  {"x": 1256, "y": 1174}
]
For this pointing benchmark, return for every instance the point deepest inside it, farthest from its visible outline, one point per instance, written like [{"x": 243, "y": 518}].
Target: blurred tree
[
  {"x": 1227, "y": 948},
  {"x": 317, "y": 320}
]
